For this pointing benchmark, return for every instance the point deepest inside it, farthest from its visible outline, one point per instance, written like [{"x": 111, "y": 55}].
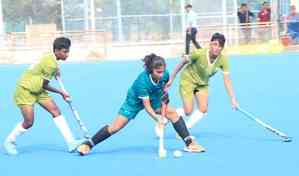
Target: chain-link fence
[
  {"x": 132, "y": 20},
  {"x": 108, "y": 24}
]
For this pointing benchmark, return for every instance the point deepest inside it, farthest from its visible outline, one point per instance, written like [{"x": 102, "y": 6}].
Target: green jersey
[
  {"x": 199, "y": 70},
  {"x": 34, "y": 76}
]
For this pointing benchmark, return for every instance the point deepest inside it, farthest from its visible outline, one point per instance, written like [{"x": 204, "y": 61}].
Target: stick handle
[
  {"x": 77, "y": 117},
  {"x": 60, "y": 83},
  {"x": 162, "y": 151}
]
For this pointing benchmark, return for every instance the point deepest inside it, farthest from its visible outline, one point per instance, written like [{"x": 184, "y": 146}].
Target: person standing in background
[
  {"x": 292, "y": 23},
  {"x": 191, "y": 29},
  {"x": 245, "y": 16},
  {"x": 264, "y": 19}
]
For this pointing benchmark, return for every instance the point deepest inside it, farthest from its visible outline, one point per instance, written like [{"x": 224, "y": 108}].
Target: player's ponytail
[{"x": 153, "y": 61}]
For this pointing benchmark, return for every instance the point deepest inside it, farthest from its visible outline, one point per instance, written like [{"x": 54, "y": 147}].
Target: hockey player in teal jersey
[{"x": 145, "y": 93}]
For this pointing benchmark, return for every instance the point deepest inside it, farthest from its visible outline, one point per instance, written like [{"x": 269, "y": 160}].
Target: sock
[
  {"x": 195, "y": 117},
  {"x": 63, "y": 127},
  {"x": 182, "y": 131},
  {"x": 17, "y": 131},
  {"x": 100, "y": 136}
]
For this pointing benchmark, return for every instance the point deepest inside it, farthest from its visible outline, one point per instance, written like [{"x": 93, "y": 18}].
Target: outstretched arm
[
  {"x": 176, "y": 70},
  {"x": 230, "y": 91}
]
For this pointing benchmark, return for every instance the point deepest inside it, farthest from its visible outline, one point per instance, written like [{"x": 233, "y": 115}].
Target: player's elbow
[
  {"x": 226, "y": 78},
  {"x": 45, "y": 83}
]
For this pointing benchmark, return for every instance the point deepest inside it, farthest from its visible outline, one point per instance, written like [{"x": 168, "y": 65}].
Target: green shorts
[
  {"x": 187, "y": 89},
  {"x": 23, "y": 96},
  {"x": 130, "y": 108}
]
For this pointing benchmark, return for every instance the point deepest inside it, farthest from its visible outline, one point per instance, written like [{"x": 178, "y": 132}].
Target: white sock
[
  {"x": 195, "y": 117},
  {"x": 63, "y": 127},
  {"x": 181, "y": 112},
  {"x": 17, "y": 131}
]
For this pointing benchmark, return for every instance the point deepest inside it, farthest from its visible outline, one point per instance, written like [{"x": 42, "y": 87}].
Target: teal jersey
[{"x": 144, "y": 87}]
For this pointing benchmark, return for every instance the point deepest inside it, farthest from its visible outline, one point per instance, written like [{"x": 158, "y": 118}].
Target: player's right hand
[{"x": 161, "y": 120}]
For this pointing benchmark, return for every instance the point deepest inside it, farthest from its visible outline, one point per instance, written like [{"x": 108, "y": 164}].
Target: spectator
[
  {"x": 245, "y": 19},
  {"x": 264, "y": 18},
  {"x": 293, "y": 25},
  {"x": 191, "y": 28}
]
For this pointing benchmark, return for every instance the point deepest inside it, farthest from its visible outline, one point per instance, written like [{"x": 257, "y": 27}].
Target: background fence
[{"x": 107, "y": 28}]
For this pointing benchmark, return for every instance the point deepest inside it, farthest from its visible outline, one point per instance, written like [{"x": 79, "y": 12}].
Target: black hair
[
  {"x": 188, "y": 6},
  {"x": 265, "y": 2},
  {"x": 220, "y": 38},
  {"x": 153, "y": 61},
  {"x": 243, "y": 5},
  {"x": 61, "y": 43}
]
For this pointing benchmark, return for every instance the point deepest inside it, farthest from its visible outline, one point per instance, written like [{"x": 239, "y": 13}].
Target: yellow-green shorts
[
  {"x": 187, "y": 89},
  {"x": 23, "y": 96}
]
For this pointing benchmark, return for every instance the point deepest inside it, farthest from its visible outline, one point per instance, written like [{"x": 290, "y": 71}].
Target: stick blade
[{"x": 287, "y": 139}]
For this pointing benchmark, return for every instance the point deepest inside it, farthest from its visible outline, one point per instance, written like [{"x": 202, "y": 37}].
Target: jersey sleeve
[
  {"x": 49, "y": 70},
  {"x": 48, "y": 73},
  {"x": 142, "y": 90},
  {"x": 195, "y": 55},
  {"x": 166, "y": 76}
]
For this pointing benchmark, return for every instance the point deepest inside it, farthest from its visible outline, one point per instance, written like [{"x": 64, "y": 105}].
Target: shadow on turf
[
  {"x": 149, "y": 149},
  {"x": 134, "y": 152},
  {"x": 228, "y": 136},
  {"x": 202, "y": 136},
  {"x": 126, "y": 150},
  {"x": 38, "y": 148}
]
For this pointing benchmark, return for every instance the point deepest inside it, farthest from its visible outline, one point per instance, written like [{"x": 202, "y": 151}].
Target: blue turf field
[{"x": 264, "y": 85}]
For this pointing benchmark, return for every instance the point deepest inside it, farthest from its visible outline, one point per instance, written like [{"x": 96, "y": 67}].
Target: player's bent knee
[
  {"x": 55, "y": 112},
  {"x": 188, "y": 112},
  {"x": 203, "y": 109},
  {"x": 27, "y": 124}
]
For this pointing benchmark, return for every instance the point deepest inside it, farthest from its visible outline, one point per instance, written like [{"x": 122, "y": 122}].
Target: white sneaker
[
  {"x": 10, "y": 147},
  {"x": 72, "y": 146}
]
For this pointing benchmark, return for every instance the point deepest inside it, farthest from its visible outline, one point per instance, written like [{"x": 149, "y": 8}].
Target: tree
[
  {"x": 31, "y": 11},
  {"x": 15, "y": 11}
]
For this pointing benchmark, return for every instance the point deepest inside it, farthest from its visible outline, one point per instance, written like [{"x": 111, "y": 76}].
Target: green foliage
[
  {"x": 37, "y": 11},
  {"x": 15, "y": 10}
]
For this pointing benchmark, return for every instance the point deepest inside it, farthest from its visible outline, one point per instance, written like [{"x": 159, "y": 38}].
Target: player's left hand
[
  {"x": 66, "y": 96},
  {"x": 161, "y": 120},
  {"x": 234, "y": 103}
]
